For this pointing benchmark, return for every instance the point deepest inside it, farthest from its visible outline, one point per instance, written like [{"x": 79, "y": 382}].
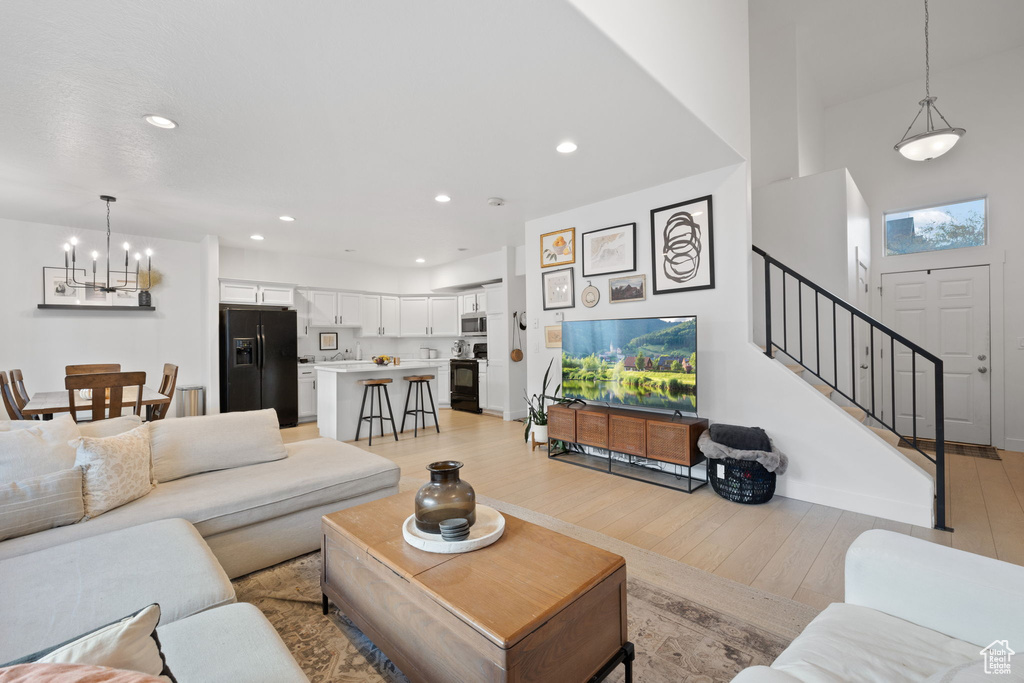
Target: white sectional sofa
[
  {"x": 180, "y": 544},
  {"x": 914, "y": 611}
]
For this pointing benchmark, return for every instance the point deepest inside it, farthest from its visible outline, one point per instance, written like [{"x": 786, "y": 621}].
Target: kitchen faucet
[{"x": 337, "y": 355}]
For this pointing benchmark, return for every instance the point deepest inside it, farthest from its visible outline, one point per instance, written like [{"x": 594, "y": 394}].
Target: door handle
[
  {"x": 863, "y": 367},
  {"x": 982, "y": 356},
  {"x": 983, "y": 369}
]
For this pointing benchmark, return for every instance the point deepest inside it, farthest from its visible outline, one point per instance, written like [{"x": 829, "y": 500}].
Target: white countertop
[{"x": 370, "y": 366}]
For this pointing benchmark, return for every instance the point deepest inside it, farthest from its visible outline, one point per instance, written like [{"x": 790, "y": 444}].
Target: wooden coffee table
[{"x": 535, "y": 606}]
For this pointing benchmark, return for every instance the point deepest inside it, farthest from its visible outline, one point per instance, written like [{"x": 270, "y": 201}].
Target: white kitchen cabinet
[
  {"x": 277, "y": 295},
  {"x": 444, "y": 385},
  {"x": 481, "y": 302},
  {"x": 497, "y": 387},
  {"x": 415, "y": 316},
  {"x": 239, "y": 292},
  {"x": 390, "y": 316},
  {"x": 370, "y": 315},
  {"x": 302, "y": 312},
  {"x": 444, "y": 317},
  {"x": 349, "y": 309},
  {"x": 484, "y": 389},
  {"x": 323, "y": 309},
  {"x": 307, "y": 393},
  {"x": 473, "y": 303}
]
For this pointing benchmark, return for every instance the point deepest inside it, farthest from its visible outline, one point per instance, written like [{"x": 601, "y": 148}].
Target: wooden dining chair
[
  {"x": 7, "y": 391},
  {"x": 167, "y": 384},
  {"x": 91, "y": 369},
  {"x": 21, "y": 397},
  {"x": 100, "y": 406}
]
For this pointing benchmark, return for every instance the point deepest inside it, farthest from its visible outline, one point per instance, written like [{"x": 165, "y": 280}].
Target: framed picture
[
  {"x": 125, "y": 298},
  {"x": 629, "y": 288},
  {"x": 57, "y": 290},
  {"x": 553, "y": 336},
  {"x": 328, "y": 341},
  {"x": 558, "y": 289},
  {"x": 609, "y": 250},
  {"x": 558, "y": 248},
  {"x": 683, "y": 247}
]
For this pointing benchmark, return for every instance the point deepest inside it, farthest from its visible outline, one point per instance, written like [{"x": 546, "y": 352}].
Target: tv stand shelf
[{"x": 640, "y": 445}]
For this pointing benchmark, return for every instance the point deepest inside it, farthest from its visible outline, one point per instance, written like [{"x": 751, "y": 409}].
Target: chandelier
[
  {"x": 125, "y": 280},
  {"x": 932, "y": 142}
]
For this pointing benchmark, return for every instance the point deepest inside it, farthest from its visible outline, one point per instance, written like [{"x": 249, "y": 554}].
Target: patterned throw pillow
[{"x": 115, "y": 469}]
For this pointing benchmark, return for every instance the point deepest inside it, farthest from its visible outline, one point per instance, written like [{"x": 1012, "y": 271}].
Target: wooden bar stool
[
  {"x": 418, "y": 381},
  {"x": 370, "y": 386}
]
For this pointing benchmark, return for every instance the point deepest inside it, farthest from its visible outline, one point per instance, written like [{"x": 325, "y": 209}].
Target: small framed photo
[
  {"x": 328, "y": 341},
  {"x": 59, "y": 287},
  {"x": 629, "y": 288},
  {"x": 553, "y": 336},
  {"x": 683, "y": 246},
  {"x": 558, "y": 248},
  {"x": 558, "y": 289},
  {"x": 609, "y": 250}
]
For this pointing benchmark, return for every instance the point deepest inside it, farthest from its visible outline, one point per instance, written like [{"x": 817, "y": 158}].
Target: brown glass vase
[{"x": 445, "y": 496}]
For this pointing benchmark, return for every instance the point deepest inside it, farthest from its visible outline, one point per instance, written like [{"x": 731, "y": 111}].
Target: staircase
[{"x": 819, "y": 342}]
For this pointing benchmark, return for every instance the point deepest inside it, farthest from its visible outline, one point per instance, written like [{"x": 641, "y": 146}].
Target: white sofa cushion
[
  {"x": 230, "y": 643},
  {"x": 110, "y": 427},
  {"x": 317, "y": 472},
  {"x": 849, "y": 642},
  {"x": 30, "y": 448},
  {"x": 115, "y": 469},
  {"x": 94, "y": 581},
  {"x": 40, "y": 503},
  {"x": 192, "y": 445}
]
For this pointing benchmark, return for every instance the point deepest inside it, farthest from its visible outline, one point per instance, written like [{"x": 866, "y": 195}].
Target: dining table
[{"x": 48, "y": 403}]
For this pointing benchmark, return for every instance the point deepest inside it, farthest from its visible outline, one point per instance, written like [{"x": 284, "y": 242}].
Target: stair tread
[
  {"x": 919, "y": 460},
  {"x": 796, "y": 368},
  {"x": 855, "y": 412},
  {"x": 889, "y": 437},
  {"x": 824, "y": 389}
]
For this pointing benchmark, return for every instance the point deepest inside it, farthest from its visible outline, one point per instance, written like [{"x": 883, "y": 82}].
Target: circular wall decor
[{"x": 590, "y": 296}]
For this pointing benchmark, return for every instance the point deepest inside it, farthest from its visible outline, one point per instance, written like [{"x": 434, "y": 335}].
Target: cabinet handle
[
  {"x": 264, "y": 297},
  {"x": 314, "y": 385}
]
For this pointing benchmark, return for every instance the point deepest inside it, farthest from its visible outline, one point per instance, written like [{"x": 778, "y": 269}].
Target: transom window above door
[{"x": 948, "y": 226}]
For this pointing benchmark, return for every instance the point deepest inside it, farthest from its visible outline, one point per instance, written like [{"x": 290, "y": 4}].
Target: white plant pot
[{"x": 539, "y": 433}]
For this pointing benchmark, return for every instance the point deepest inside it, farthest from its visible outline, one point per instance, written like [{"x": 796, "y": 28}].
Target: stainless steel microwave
[{"x": 474, "y": 325}]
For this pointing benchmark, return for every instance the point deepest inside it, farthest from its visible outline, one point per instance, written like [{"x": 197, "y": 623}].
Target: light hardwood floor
[{"x": 786, "y": 547}]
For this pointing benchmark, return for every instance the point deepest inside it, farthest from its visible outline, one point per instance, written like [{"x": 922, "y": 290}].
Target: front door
[{"x": 946, "y": 311}]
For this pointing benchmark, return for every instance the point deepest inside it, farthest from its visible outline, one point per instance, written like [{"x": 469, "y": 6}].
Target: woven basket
[{"x": 745, "y": 481}]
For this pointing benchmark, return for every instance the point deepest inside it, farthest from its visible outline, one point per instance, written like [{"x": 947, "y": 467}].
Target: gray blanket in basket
[{"x": 773, "y": 461}]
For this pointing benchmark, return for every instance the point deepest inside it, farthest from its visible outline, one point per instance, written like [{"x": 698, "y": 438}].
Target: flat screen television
[{"x": 643, "y": 362}]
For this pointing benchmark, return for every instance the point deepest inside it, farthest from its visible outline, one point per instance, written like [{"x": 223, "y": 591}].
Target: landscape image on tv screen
[{"x": 648, "y": 362}]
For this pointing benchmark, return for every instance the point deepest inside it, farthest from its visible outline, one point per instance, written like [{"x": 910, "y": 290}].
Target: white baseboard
[
  {"x": 1015, "y": 445},
  {"x": 896, "y": 510}
]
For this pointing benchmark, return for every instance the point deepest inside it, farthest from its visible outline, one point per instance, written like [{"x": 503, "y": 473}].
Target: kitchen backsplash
[{"x": 372, "y": 346}]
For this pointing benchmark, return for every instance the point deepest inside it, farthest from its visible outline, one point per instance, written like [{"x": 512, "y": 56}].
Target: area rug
[
  {"x": 687, "y": 624},
  {"x": 969, "y": 449}
]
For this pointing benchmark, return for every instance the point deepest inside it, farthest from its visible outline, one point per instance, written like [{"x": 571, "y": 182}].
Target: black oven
[{"x": 465, "y": 376}]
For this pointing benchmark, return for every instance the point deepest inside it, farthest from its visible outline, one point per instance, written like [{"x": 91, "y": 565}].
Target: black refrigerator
[{"x": 258, "y": 362}]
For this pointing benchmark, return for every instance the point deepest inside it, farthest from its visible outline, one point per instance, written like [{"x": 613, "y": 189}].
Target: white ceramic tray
[{"x": 489, "y": 527}]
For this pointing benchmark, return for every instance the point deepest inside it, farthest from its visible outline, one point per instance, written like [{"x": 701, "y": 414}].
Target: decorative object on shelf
[
  {"x": 590, "y": 295},
  {"x": 536, "y": 409},
  {"x": 328, "y": 341},
  {"x": 558, "y": 248},
  {"x": 683, "y": 246},
  {"x": 629, "y": 288},
  {"x": 558, "y": 289},
  {"x": 382, "y": 360},
  {"x": 125, "y": 281},
  {"x": 553, "y": 336},
  {"x": 932, "y": 142},
  {"x": 741, "y": 467},
  {"x": 445, "y": 496},
  {"x": 609, "y": 250},
  {"x": 490, "y": 525}
]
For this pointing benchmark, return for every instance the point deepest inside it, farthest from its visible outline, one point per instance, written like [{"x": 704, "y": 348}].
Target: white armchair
[{"x": 913, "y": 610}]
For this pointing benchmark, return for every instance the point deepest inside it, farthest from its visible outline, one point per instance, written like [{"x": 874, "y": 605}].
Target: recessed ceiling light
[
  {"x": 350, "y": 250},
  {"x": 286, "y": 219},
  {"x": 256, "y": 237},
  {"x": 160, "y": 121},
  {"x": 566, "y": 147},
  {"x": 442, "y": 198},
  {"x": 463, "y": 248},
  {"x": 421, "y": 260}
]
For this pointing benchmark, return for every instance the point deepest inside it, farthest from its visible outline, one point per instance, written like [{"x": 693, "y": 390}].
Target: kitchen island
[{"x": 339, "y": 397}]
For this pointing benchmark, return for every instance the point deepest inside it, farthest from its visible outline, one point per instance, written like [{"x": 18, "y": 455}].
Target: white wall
[
  {"x": 42, "y": 342},
  {"x": 773, "y": 107},
  {"x": 834, "y": 460},
  {"x": 986, "y": 162}
]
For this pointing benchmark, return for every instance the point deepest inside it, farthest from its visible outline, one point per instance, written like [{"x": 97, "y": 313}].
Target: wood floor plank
[
  {"x": 608, "y": 514},
  {"x": 816, "y": 600},
  {"x": 827, "y": 574},
  {"x": 746, "y": 562},
  {"x": 788, "y": 567},
  {"x": 686, "y": 537},
  {"x": 1013, "y": 465},
  {"x": 934, "y": 535},
  {"x": 1005, "y": 514},
  {"x": 970, "y": 517},
  {"x": 713, "y": 550}
]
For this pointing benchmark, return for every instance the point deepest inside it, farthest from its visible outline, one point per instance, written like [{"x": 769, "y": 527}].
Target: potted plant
[{"x": 537, "y": 412}]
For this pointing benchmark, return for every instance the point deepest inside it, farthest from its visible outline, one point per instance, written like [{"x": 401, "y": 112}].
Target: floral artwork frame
[
  {"x": 558, "y": 248},
  {"x": 609, "y": 250}
]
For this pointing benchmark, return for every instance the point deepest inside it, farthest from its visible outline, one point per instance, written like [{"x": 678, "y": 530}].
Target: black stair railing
[{"x": 867, "y": 400}]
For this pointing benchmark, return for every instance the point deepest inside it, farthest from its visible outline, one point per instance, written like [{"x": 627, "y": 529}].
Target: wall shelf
[{"x": 72, "y": 307}]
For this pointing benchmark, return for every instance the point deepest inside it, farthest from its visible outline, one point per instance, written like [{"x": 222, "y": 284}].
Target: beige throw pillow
[
  {"x": 40, "y": 503},
  {"x": 111, "y": 427},
  {"x": 32, "y": 448},
  {"x": 115, "y": 469}
]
